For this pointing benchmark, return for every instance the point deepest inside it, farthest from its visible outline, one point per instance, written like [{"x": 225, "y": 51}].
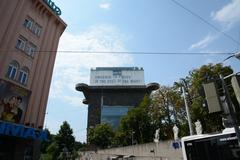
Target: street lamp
[
  {"x": 132, "y": 136},
  {"x": 236, "y": 55},
  {"x": 187, "y": 111},
  {"x": 186, "y": 106}
]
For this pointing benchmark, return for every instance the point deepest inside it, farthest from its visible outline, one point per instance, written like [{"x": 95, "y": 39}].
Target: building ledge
[
  {"x": 84, "y": 87},
  {"x": 87, "y": 90}
]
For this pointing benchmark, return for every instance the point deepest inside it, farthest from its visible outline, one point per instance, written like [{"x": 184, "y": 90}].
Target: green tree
[
  {"x": 63, "y": 144},
  {"x": 52, "y": 151},
  {"x": 45, "y": 144},
  {"x": 136, "y": 124},
  {"x": 101, "y": 136},
  {"x": 80, "y": 146},
  {"x": 166, "y": 110},
  {"x": 193, "y": 84}
]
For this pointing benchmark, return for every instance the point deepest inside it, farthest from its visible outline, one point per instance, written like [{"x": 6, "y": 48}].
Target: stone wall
[{"x": 155, "y": 151}]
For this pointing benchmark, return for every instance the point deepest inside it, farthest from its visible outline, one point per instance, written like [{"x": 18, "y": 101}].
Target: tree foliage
[
  {"x": 164, "y": 108},
  {"x": 101, "y": 136},
  {"x": 45, "y": 144},
  {"x": 194, "y": 81},
  {"x": 64, "y": 138},
  {"x": 61, "y": 146},
  {"x": 167, "y": 109},
  {"x": 136, "y": 125}
]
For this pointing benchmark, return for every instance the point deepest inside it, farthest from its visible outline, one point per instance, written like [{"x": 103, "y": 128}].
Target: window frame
[
  {"x": 33, "y": 26},
  {"x": 26, "y": 46},
  {"x": 31, "y": 49},
  {"x": 23, "y": 77},
  {"x": 12, "y": 70},
  {"x": 37, "y": 29},
  {"x": 21, "y": 43},
  {"x": 28, "y": 23}
]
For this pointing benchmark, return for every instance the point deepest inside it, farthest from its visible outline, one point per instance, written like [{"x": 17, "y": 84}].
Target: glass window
[
  {"x": 37, "y": 29},
  {"x": 12, "y": 70},
  {"x": 21, "y": 43},
  {"x": 113, "y": 114},
  {"x": 23, "y": 76},
  {"x": 26, "y": 46},
  {"x": 30, "y": 49},
  {"x": 224, "y": 147},
  {"x": 28, "y": 23},
  {"x": 32, "y": 26}
]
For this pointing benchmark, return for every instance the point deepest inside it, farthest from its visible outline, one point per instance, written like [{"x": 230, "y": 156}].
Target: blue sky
[{"x": 136, "y": 26}]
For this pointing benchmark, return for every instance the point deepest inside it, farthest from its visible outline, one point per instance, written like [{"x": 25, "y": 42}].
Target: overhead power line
[
  {"x": 122, "y": 52},
  {"x": 206, "y": 22}
]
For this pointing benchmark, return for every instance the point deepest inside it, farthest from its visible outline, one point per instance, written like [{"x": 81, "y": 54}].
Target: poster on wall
[{"x": 13, "y": 102}]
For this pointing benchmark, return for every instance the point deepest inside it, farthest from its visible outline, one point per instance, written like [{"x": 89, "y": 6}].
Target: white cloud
[
  {"x": 73, "y": 100},
  {"x": 72, "y": 68},
  {"x": 203, "y": 43},
  {"x": 105, "y": 6},
  {"x": 229, "y": 14}
]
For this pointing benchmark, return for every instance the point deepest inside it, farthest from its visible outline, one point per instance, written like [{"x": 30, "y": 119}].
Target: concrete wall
[{"x": 148, "y": 151}]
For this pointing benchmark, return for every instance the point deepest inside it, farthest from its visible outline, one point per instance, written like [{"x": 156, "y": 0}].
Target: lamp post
[
  {"x": 187, "y": 111},
  {"x": 236, "y": 55},
  {"x": 183, "y": 84},
  {"x": 132, "y": 136}
]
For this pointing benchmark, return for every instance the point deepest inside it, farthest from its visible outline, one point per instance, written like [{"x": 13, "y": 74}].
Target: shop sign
[
  {"x": 54, "y": 8},
  {"x": 11, "y": 129}
]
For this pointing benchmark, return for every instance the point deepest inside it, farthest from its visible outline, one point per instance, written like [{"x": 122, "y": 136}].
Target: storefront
[
  {"x": 17, "y": 139},
  {"x": 20, "y": 142}
]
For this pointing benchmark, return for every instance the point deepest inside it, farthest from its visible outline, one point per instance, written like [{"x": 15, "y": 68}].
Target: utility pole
[
  {"x": 187, "y": 111},
  {"x": 132, "y": 136}
]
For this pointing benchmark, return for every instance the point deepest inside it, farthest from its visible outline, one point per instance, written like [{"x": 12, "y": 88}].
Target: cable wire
[
  {"x": 122, "y": 52},
  {"x": 206, "y": 22}
]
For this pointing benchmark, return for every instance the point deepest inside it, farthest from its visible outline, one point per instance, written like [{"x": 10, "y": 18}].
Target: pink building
[{"x": 29, "y": 36}]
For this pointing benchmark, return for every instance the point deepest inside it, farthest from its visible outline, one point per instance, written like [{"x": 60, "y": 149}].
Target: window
[
  {"x": 220, "y": 147},
  {"x": 21, "y": 43},
  {"x": 28, "y": 47},
  {"x": 32, "y": 26},
  {"x": 113, "y": 114},
  {"x": 28, "y": 23},
  {"x": 37, "y": 29},
  {"x": 12, "y": 70},
  {"x": 23, "y": 75}
]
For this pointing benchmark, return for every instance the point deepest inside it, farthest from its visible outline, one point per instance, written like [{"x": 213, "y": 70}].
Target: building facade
[
  {"x": 112, "y": 92},
  {"x": 29, "y": 36}
]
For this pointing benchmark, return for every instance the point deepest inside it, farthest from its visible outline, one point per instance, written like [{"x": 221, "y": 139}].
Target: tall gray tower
[{"x": 112, "y": 92}]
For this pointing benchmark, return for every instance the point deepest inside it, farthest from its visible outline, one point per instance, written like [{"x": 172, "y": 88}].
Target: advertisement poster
[
  {"x": 120, "y": 76},
  {"x": 13, "y": 102}
]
